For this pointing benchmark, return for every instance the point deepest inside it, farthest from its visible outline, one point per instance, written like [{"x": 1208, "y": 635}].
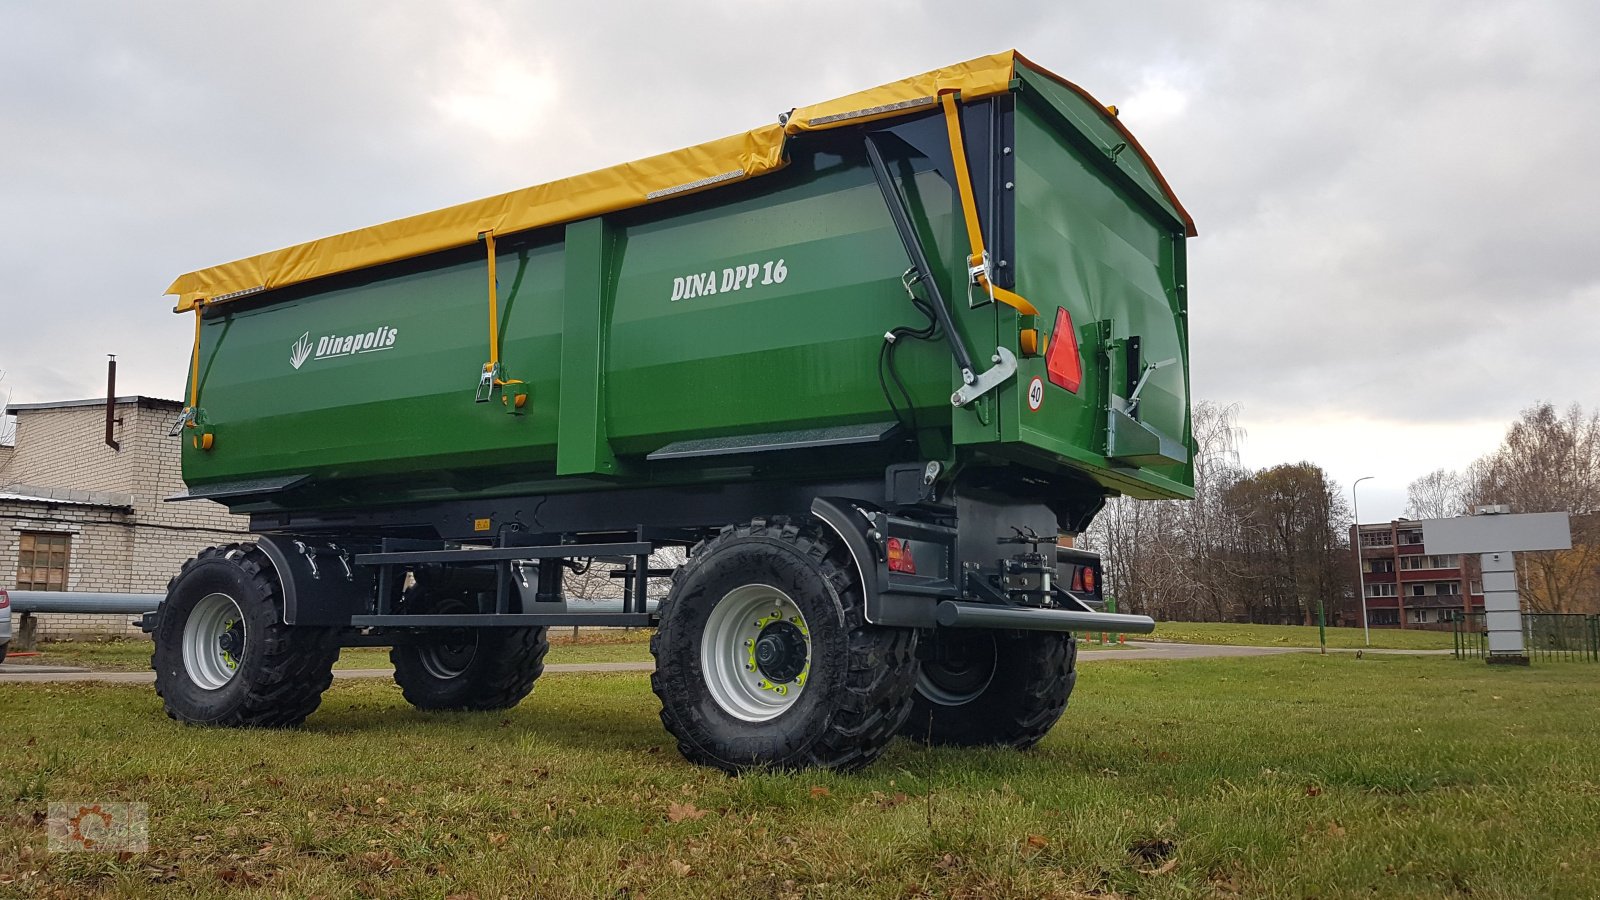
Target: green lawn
[
  {"x": 1296, "y": 636},
  {"x": 134, "y": 655},
  {"x": 1284, "y": 776},
  {"x": 593, "y": 646}
]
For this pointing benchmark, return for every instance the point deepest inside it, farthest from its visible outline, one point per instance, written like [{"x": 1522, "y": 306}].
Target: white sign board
[
  {"x": 1490, "y": 534},
  {"x": 1495, "y": 537}
]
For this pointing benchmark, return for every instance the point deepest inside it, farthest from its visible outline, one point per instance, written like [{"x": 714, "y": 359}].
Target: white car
[{"x": 5, "y": 624}]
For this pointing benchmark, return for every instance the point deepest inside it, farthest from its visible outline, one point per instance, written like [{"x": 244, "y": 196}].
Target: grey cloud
[{"x": 1392, "y": 198}]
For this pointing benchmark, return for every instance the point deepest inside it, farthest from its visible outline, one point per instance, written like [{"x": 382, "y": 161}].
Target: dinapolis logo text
[{"x": 332, "y": 345}]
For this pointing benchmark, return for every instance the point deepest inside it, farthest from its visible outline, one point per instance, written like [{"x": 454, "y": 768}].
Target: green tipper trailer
[{"x": 866, "y": 364}]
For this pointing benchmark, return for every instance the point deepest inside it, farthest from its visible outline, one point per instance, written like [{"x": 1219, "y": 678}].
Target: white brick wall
[{"x": 132, "y": 549}]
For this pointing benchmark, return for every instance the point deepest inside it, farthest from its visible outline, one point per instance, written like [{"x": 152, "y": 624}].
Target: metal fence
[{"x": 1571, "y": 636}]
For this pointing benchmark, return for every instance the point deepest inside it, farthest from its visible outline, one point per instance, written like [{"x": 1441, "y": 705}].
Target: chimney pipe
[{"x": 111, "y": 404}]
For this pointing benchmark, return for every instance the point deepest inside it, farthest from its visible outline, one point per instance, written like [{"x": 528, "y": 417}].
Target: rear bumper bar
[{"x": 960, "y": 614}]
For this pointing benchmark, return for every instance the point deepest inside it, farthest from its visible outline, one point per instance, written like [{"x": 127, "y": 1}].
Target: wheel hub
[
  {"x": 213, "y": 641},
  {"x": 755, "y": 653},
  {"x": 959, "y": 670},
  {"x": 781, "y": 652}
]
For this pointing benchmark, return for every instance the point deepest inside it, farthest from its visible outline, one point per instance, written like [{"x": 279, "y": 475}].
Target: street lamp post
[{"x": 1361, "y": 577}]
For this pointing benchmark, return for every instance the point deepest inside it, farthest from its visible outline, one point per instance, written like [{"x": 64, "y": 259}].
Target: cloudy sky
[{"x": 1393, "y": 198}]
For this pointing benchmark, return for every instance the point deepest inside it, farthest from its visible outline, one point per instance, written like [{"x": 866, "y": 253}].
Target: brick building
[
  {"x": 77, "y": 514},
  {"x": 1407, "y": 586}
]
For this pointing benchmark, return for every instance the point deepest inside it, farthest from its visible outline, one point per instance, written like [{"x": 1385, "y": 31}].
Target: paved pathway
[{"x": 24, "y": 673}]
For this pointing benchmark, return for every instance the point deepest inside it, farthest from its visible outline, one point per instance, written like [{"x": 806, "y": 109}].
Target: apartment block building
[
  {"x": 1406, "y": 586},
  {"x": 79, "y": 514}
]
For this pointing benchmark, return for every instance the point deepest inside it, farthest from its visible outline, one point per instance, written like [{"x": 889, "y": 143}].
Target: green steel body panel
[
  {"x": 756, "y": 308},
  {"x": 1118, "y": 268}
]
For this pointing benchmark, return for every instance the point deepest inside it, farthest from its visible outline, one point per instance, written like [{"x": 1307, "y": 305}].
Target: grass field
[
  {"x": 134, "y": 655},
  {"x": 1297, "y": 636},
  {"x": 592, "y": 646},
  {"x": 1284, "y": 776}
]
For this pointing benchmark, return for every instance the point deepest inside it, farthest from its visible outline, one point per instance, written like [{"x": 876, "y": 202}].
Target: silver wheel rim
[
  {"x": 214, "y": 639},
  {"x": 449, "y": 662},
  {"x": 728, "y": 647},
  {"x": 945, "y": 695}
]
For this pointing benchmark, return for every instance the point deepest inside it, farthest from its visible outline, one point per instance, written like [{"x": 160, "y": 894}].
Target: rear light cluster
[
  {"x": 900, "y": 558},
  {"x": 1084, "y": 579},
  {"x": 5, "y": 600}
]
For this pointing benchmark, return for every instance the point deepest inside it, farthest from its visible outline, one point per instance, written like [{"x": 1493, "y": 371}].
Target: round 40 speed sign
[{"x": 1035, "y": 393}]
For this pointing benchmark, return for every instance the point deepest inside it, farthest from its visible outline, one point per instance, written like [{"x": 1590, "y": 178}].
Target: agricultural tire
[
  {"x": 764, "y": 658},
  {"x": 223, "y": 655},
  {"x": 465, "y": 668},
  {"x": 980, "y": 687}
]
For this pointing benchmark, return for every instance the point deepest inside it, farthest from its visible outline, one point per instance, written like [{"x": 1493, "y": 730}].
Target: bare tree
[
  {"x": 8, "y": 424},
  {"x": 1293, "y": 521},
  {"x": 1550, "y": 462},
  {"x": 1439, "y": 494},
  {"x": 596, "y": 580},
  {"x": 1164, "y": 557}
]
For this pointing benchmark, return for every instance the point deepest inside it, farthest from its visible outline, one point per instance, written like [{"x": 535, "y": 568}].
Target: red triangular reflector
[{"x": 1061, "y": 359}]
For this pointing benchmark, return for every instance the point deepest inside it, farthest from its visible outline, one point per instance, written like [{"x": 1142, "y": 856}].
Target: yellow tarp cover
[{"x": 726, "y": 161}]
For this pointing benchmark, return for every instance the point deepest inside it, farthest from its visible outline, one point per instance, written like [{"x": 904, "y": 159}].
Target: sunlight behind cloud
[
  {"x": 493, "y": 91},
  {"x": 1157, "y": 101}
]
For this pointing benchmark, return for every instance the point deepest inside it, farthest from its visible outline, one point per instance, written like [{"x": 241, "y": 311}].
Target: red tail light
[
  {"x": 1083, "y": 579},
  {"x": 900, "y": 559},
  {"x": 1061, "y": 360},
  {"x": 5, "y": 600}
]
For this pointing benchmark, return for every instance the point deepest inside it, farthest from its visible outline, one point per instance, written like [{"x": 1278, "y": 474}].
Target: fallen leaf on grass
[
  {"x": 1037, "y": 841},
  {"x": 679, "y": 868},
  {"x": 497, "y": 837},
  {"x": 818, "y": 790},
  {"x": 1313, "y": 791},
  {"x": 239, "y": 877},
  {"x": 1336, "y": 830},
  {"x": 678, "y": 812},
  {"x": 1163, "y": 869},
  {"x": 379, "y": 861}
]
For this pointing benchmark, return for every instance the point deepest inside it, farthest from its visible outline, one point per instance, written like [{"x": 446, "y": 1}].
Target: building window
[
  {"x": 1377, "y": 565},
  {"x": 1384, "y": 617},
  {"x": 1410, "y": 537},
  {"x": 1419, "y": 617},
  {"x": 1434, "y": 561},
  {"x": 1380, "y": 590},
  {"x": 42, "y": 561},
  {"x": 1375, "y": 539},
  {"x": 1417, "y": 591},
  {"x": 1448, "y": 589}
]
